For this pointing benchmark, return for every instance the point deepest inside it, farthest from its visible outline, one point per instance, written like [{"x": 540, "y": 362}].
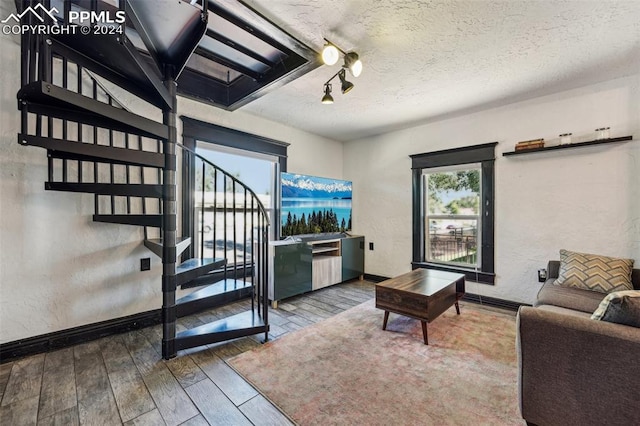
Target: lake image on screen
[{"x": 313, "y": 204}]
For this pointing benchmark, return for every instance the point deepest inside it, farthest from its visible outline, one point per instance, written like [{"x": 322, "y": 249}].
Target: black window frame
[
  {"x": 194, "y": 130},
  {"x": 484, "y": 154}
]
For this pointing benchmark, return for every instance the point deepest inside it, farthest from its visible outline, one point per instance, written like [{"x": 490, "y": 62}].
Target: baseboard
[
  {"x": 73, "y": 336},
  {"x": 493, "y": 302}
]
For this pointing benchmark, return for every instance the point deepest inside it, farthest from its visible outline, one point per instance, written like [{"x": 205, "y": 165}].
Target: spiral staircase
[{"x": 130, "y": 162}]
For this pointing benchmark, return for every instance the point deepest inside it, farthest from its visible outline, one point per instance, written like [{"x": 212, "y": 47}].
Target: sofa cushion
[
  {"x": 567, "y": 297},
  {"x": 621, "y": 307},
  {"x": 594, "y": 272}
]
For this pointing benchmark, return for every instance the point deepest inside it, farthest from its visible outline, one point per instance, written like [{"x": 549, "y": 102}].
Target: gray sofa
[{"x": 574, "y": 370}]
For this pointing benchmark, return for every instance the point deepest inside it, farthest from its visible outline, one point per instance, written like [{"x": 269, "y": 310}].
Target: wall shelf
[
  {"x": 335, "y": 250},
  {"x": 568, "y": 146}
]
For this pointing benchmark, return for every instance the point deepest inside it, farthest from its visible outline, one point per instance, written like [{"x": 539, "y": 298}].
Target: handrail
[
  {"x": 257, "y": 260},
  {"x": 185, "y": 148},
  {"x": 260, "y": 206},
  {"x": 226, "y": 173}
]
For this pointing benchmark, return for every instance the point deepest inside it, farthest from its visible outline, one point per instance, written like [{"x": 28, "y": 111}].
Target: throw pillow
[
  {"x": 621, "y": 307},
  {"x": 594, "y": 272}
]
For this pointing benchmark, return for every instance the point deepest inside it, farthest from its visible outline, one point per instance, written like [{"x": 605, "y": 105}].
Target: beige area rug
[{"x": 347, "y": 371}]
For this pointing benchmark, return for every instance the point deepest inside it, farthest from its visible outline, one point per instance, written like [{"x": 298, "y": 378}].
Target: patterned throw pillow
[
  {"x": 594, "y": 272},
  {"x": 621, "y": 307}
]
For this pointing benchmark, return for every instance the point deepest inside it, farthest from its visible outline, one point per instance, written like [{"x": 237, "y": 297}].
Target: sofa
[{"x": 574, "y": 370}]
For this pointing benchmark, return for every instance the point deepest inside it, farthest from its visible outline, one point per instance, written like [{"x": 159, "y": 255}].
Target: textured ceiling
[{"x": 426, "y": 60}]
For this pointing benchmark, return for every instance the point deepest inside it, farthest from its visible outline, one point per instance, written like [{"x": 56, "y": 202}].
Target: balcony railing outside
[{"x": 453, "y": 243}]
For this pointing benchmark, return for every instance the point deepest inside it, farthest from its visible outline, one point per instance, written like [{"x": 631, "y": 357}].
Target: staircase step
[
  {"x": 155, "y": 245},
  {"x": 152, "y": 220},
  {"x": 236, "y": 271},
  {"x": 73, "y": 150},
  {"x": 244, "y": 324},
  {"x": 115, "y": 58},
  {"x": 123, "y": 189},
  {"x": 48, "y": 99},
  {"x": 212, "y": 296},
  {"x": 194, "y": 268},
  {"x": 179, "y": 37}
]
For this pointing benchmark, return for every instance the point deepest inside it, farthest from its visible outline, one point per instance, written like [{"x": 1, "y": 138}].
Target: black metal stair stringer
[
  {"x": 46, "y": 98},
  {"x": 195, "y": 267},
  {"x": 73, "y": 150},
  {"x": 150, "y": 220},
  {"x": 119, "y": 189}
]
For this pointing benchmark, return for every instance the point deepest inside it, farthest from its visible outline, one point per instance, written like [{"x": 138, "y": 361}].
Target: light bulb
[
  {"x": 356, "y": 68},
  {"x": 330, "y": 54}
]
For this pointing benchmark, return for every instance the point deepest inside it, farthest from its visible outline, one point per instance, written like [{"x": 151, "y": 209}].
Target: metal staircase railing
[
  {"x": 244, "y": 244},
  {"x": 129, "y": 162}
]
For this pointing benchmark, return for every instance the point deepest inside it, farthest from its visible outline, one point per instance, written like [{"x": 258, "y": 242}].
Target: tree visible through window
[{"x": 452, "y": 219}]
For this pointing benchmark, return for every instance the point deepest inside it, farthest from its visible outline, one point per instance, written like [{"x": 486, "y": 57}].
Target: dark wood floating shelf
[{"x": 569, "y": 145}]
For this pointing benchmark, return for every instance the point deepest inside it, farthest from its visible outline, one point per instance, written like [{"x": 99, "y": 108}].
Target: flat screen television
[{"x": 313, "y": 205}]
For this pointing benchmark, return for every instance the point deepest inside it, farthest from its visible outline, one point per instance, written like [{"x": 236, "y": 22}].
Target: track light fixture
[
  {"x": 354, "y": 64},
  {"x": 346, "y": 85},
  {"x": 330, "y": 55},
  {"x": 327, "y": 98}
]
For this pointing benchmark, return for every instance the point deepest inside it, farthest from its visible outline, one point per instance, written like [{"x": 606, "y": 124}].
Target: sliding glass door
[{"x": 224, "y": 216}]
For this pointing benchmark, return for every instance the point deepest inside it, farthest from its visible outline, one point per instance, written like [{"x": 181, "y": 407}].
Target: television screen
[{"x": 312, "y": 205}]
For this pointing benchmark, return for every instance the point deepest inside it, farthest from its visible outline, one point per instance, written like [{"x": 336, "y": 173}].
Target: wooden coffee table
[{"x": 422, "y": 294}]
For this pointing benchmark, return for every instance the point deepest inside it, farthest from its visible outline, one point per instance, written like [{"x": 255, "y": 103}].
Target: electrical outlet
[
  {"x": 370, "y": 246},
  {"x": 542, "y": 275},
  {"x": 145, "y": 264}
]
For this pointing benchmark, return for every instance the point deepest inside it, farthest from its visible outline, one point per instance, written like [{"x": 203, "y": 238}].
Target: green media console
[{"x": 301, "y": 264}]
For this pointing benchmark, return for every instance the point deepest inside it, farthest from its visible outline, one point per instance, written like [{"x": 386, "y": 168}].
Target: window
[
  {"x": 453, "y": 211},
  {"x": 452, "y": 215},
  {"x": 257, "y": 171},
  {"x": 250, "y": 158}
]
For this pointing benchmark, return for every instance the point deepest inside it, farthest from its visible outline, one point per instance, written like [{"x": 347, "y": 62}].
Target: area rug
[{"x": 347, "y": 371}]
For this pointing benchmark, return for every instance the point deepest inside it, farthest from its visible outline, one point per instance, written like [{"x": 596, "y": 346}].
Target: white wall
[
  {"x": 59, "y": 269},
  {"x": 583, "y": 199},
  {"x": 307, "y": 154}
]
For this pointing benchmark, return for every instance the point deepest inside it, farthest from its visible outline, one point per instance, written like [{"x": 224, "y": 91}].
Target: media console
[{"x": 305, "y": 263}]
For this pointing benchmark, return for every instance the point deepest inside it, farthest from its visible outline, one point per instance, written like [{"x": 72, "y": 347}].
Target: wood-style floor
[{"x": 124, "y": 380}]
